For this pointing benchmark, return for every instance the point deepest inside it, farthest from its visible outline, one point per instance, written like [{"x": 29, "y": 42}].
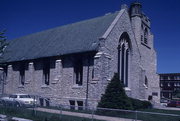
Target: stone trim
[
  {"x": 127, "y": 89},
  {"x": 112, "y": 24},
  {"x": 29, "y": 73},
  {"x": 21, "y": 86},
  {"x": 10, "y": 74},
  {"x": 94, "y": 81},
  {"x": 57, "y": 71},
  {"x": 45, "y": 86},
  {"x": 98, "y": 55},
  {"x": 55, "y": 81},
  {"x": 145, "y": 86},
  {"x": 75, "y": 98},
  {"x": 107, "y": 55},
  {"x": 145, "y": 45},
  {"x": 75, "y": 86}
]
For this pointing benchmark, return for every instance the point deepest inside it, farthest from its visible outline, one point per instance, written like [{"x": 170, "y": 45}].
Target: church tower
[
  {"x": 149, "y": 86},
  {"x": 141, "y": 25}
]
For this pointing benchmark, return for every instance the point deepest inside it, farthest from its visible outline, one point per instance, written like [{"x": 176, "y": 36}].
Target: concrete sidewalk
[
  {"x": 6, "y": 118},
  {"x": 105, "y": 118}
]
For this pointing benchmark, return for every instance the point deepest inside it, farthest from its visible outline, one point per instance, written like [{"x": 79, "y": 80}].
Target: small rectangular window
[
  {"x": 78, "y": 71},
  {"x": 145, "y": 40},
  {"x": 93, "y": 73},
  {"x": 22, "y": 73},
  {"x": 154, "y": 94},
  {"x": 72, "y": 104},
  {"x": 41, "y": 101},
  {"x": 146, "y": 81},
  {"x": 171, "y": 77},
  {"x": 165, "y": 77},
  {"x": 47, "y": 100},
  {"x": 46, "y": 71},
  {"x": 178, "y": 77},
  {"x": 5, "y": 72},
  {"x": 141, "y": 38},
  {"x": 80, "y": 105}
]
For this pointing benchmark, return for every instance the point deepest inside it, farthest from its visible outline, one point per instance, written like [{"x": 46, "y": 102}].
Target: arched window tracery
[{"x": 123, "y": 58}]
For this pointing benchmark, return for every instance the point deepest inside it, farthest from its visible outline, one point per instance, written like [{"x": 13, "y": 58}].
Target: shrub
[{"x": 138, "y": 104}]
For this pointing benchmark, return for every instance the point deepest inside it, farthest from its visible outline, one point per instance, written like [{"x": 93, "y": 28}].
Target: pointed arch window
[
  {"x": 123, "y": 58},
  {"x": 122, "y": 62}
]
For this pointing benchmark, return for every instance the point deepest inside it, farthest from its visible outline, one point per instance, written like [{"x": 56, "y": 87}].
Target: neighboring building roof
[{"x": 68, "y": 39}]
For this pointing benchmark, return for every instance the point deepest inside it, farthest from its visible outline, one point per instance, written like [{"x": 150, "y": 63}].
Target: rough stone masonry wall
[
  {"x": 103, "y": 65},
  {"x": 1, "y": 81},
  {"x": 62, "y": 87},
  {"x": 111, "y": 44},
  {"x": 148, "y": 62}
]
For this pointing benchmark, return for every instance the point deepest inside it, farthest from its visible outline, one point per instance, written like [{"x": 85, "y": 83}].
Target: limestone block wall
[
  {"x": 148, "y": 60},
  {"x": 62, "y": 87},
  {"x": 123, "y": 24},
  {"x": 1, "y": 80},
  {"x": 98, "y": 69}
]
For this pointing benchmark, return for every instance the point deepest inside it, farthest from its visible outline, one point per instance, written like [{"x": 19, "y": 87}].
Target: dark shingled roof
[{"x": 68, "y": 39}]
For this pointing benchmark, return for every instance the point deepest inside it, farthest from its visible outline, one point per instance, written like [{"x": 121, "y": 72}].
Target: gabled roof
[{"x": 68, "y": 39}]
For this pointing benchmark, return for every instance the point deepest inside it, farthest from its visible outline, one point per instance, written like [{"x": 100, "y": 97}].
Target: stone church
[{"x": 72, "y": 64}]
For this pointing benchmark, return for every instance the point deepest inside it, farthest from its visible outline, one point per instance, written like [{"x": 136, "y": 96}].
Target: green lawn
[
  {"x": 159, "y": 117},
  {"x": 38, "y": 116},
  {"x": 143, "y": 115}
]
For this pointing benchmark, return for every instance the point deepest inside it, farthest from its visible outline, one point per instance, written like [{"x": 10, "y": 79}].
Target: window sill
[
  {"x": 108, "y": 79},
  {"x": 145, "y": 86},
  {"x": 94, "y": 81},
  {"x": 27, "y": 82},
  {"x": 55, "y": 81},
  {"x": 76, "y": 86},
  {"x": 21, "y": 86},
  {"x": 127, "y": 89},
  {"x": 45, "y": 86}
]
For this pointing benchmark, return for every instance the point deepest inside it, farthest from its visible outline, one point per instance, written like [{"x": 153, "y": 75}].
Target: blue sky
[{"x": 22, "y": 17}]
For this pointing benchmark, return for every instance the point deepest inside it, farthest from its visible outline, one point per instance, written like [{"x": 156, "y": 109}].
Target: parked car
[
  {"x": 19, "y": 100},
  {"x": 173, "y": 103}
]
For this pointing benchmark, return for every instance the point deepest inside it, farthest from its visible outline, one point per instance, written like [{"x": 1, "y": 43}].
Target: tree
[
  {"x": 3, "y": 43},
  {"x": 115, "y": 96}
]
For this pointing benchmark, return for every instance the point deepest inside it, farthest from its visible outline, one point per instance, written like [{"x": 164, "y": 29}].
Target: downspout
[
  {"x": 3, "y": 83},
  {"x": 2, "y": 80},
  {"x": 87, "y": 86}
]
